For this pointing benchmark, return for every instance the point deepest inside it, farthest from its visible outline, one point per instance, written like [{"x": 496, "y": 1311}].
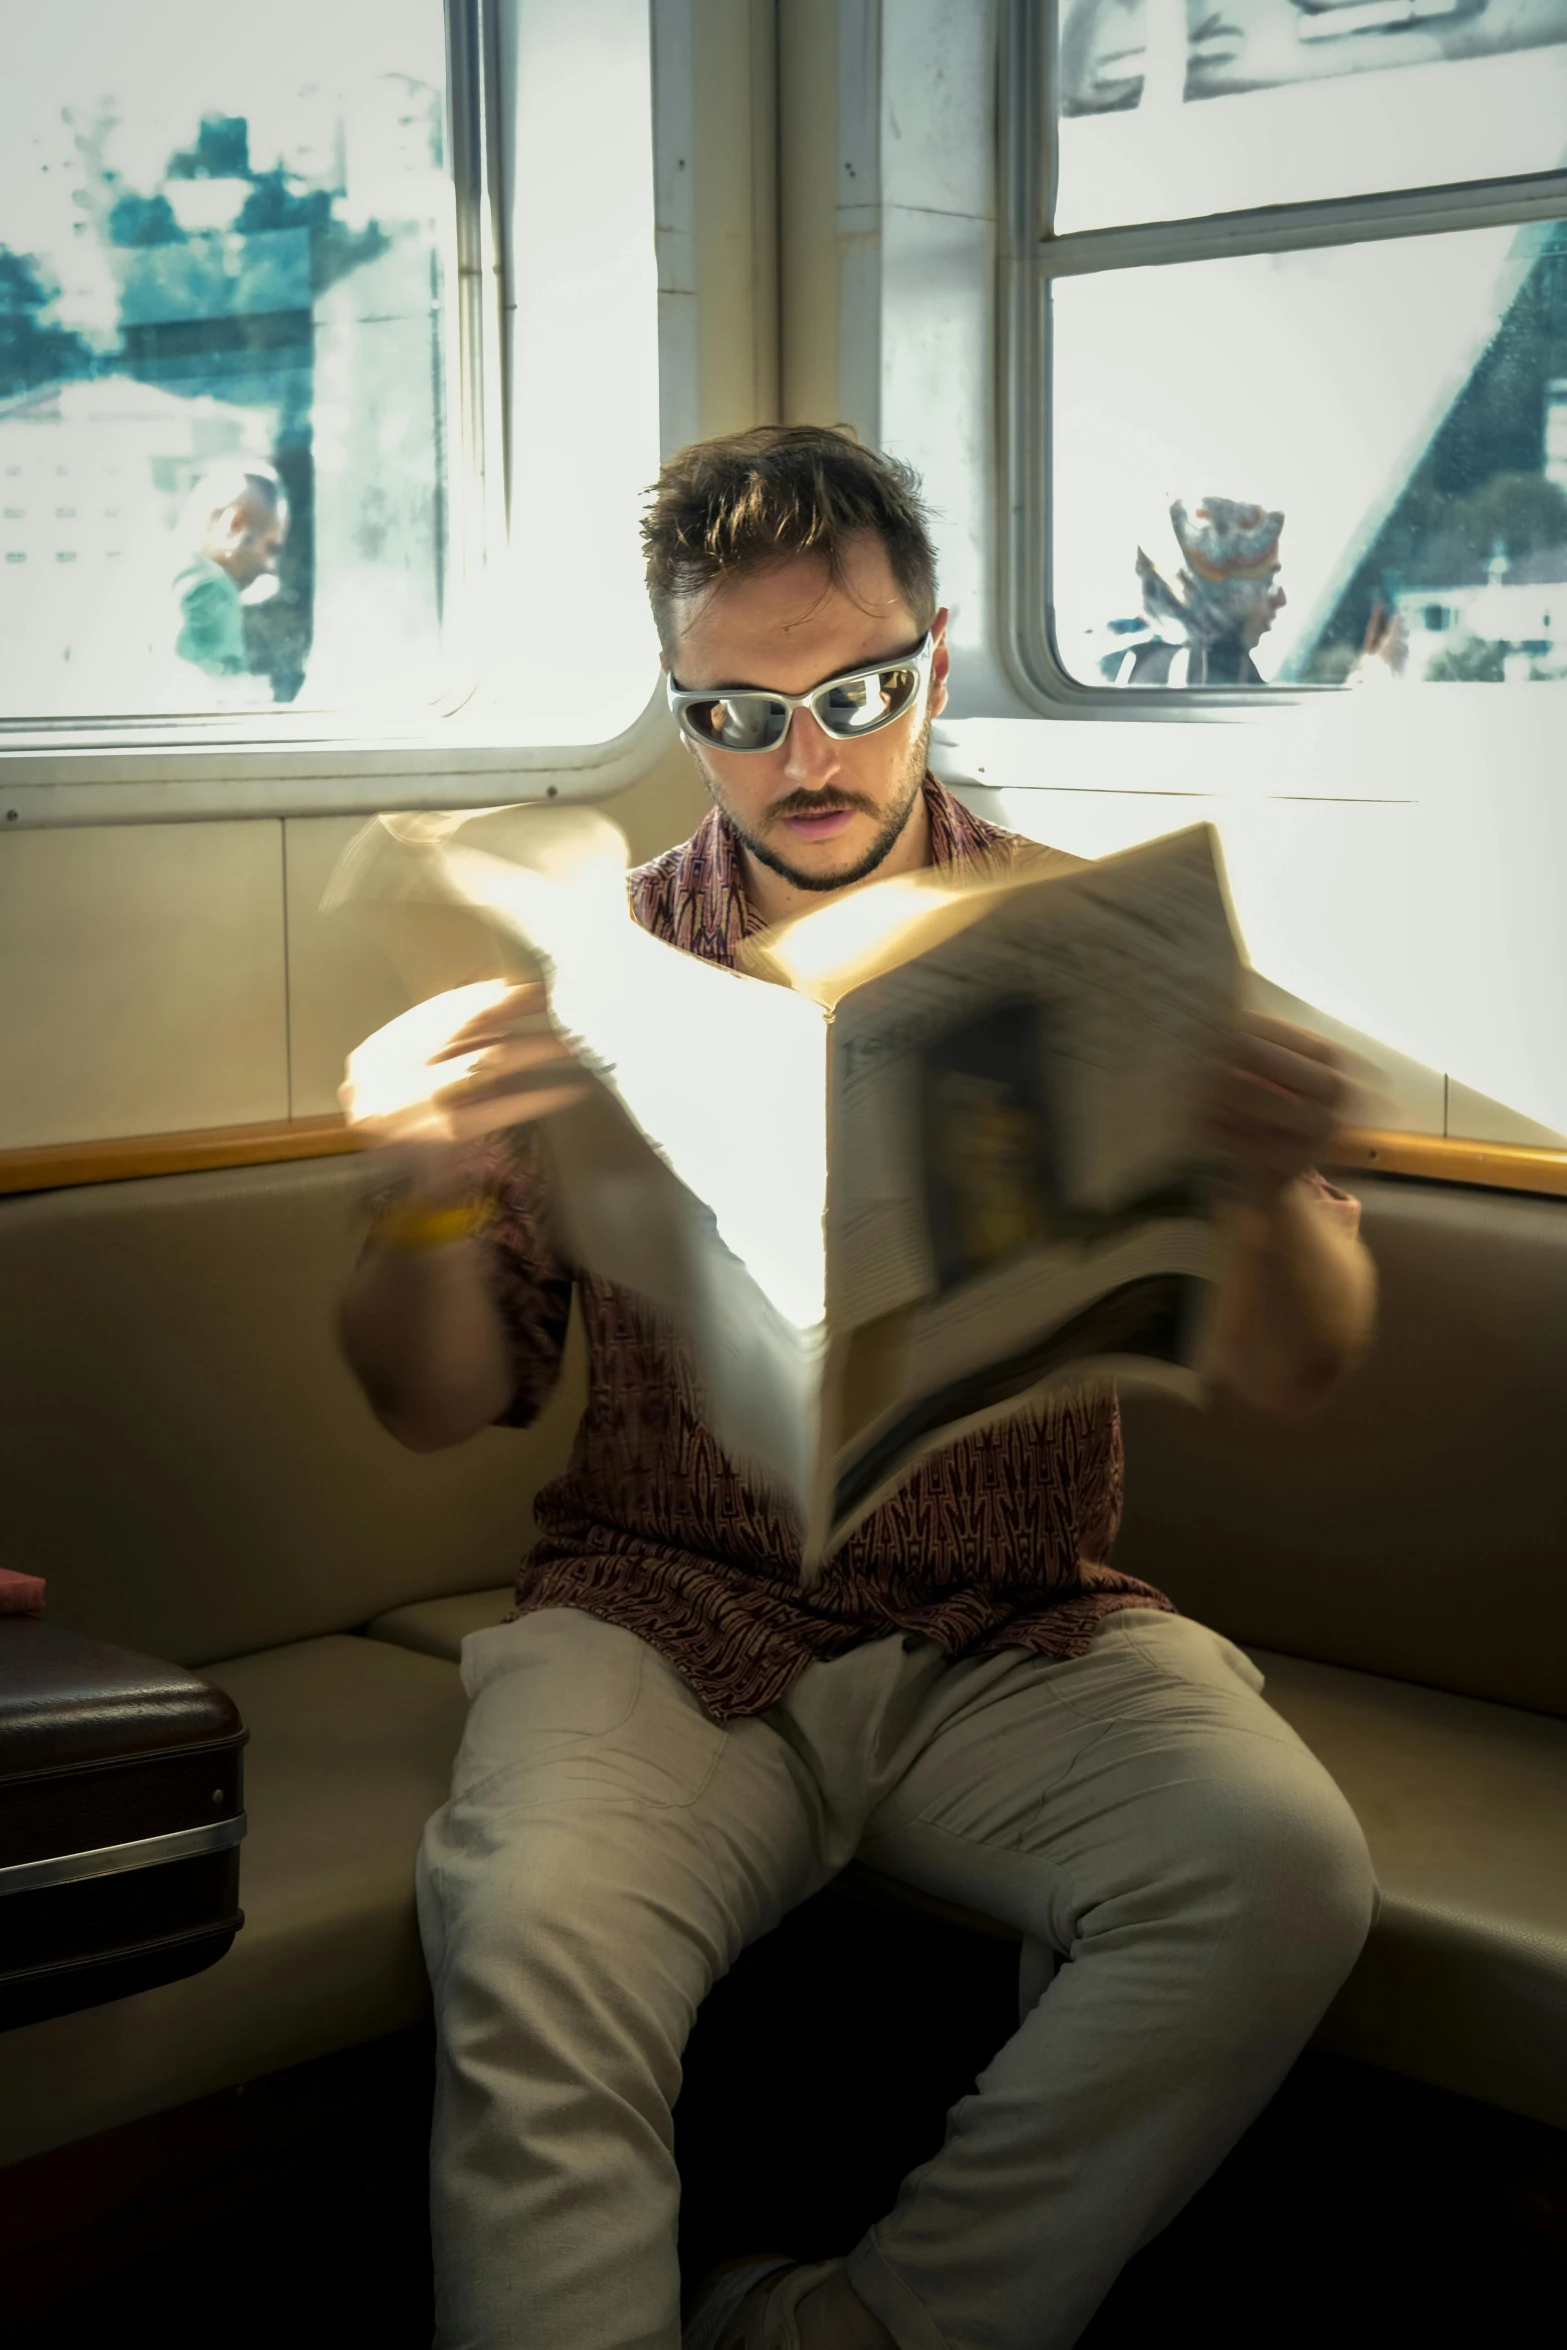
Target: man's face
[
  {"x": 1271, "y": 601},
  {"x": 246, "y": 538},
  {"x": 821, "y": 813}
]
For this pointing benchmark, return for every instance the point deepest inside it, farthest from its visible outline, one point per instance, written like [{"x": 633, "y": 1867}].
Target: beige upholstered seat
[
  {"x": 438, "y": 1627},
  {"x": 185, "y": 1457},
  {"x": 1464, "y": 1806},
  {"x": 351, "y": 1743}
]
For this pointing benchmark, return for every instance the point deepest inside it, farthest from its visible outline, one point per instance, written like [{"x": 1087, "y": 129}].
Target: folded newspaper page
[{"x": 931, "y": 1155}]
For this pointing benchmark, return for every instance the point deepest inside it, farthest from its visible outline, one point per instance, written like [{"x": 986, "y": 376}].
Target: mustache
[{"x": 821, "y": 803}]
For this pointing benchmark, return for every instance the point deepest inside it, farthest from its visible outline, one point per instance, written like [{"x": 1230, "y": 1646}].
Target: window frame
[
  {"x": 188, "y": 767},
  {"x": 1033, "y": 257}
]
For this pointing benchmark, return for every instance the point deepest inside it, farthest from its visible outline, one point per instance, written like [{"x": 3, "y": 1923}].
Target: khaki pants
[{"x": 609, "y": 1850}]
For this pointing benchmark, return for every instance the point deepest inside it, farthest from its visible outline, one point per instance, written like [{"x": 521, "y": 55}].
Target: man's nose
[{"x": 810, "y": 755}]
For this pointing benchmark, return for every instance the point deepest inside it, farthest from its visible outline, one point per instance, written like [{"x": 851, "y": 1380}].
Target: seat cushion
[
  {"x": 351, "y": 1744},
  {"x": 438, "y": 1627},
  {"x": 1464, "y": 1806}
]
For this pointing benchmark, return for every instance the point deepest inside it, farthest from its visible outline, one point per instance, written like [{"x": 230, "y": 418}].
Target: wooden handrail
[
  {"x": 1500, "y": 1166},
  {"x": 1439, "y": 1158},
  {"x": 53, "y": 1166}
]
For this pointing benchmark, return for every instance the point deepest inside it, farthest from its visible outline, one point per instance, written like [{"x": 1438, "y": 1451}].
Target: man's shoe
[
  {"x": 731, "y": 2304},
  {"x": 719, "y": 2319}
]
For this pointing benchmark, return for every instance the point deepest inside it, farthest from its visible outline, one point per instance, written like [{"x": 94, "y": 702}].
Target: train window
[
  {"x": 1173, "y": 108},
  {"x": 1420, "y": 473},
  {"x": 257, "y": 412},
  {"x": 226, "y": 272},
  {"x": 1306, "y": 426}
]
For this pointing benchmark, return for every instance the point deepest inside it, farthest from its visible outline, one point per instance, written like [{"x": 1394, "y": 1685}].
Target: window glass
[
  {"x": 225, "y": 276},
  {"x": 1170, "y": 109},
  {"x": 1343, "y": 465}
]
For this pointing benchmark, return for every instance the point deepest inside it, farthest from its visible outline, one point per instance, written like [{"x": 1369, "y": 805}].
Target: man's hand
[
  {"x": 423, "y": 1081},
  {"x": 1299, "y": 1300},
  {"x": 420, "y": 1323},
  {"x": 1276, "y": 1105}
]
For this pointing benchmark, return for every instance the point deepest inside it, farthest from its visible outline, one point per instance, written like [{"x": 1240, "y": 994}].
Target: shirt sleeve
[
  {"x": 1342, "y": 1206},
  {"x": 212, "y": 633},
  {"x": 530, "y": 1283}
]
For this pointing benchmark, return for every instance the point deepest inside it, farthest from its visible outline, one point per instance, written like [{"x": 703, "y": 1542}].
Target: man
[
  {"x": 673, "y": 1742},
  {"x": 1205, "y": 629},
  {"x": 238, "y": 519}
]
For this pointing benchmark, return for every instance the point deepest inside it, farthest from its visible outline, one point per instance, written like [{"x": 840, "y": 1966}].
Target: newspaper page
[
  {"x": 1018, "y": 1197},
  {"x": 888, "y": 1216},
  {"x": 697, "y": 1174}
]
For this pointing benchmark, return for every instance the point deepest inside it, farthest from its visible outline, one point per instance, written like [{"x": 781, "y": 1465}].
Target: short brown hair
[{"x": 748, "y": 499}]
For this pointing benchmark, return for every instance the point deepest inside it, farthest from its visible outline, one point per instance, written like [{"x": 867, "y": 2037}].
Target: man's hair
[
  {"x": 227, "y": 483},
  {"x": 737, "y": 504}
]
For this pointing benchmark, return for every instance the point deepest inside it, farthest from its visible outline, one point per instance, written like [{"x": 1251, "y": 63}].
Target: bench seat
[
  {"x": 185, "y": 1457},
  {"x": 1464, "y": 1806},
  {"x": 438, "y": 1627},
  {"x": 1464, "y": 1983}
]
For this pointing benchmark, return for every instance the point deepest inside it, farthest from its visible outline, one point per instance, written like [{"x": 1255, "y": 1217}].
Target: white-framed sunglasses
[{"x": 857, "y": 702}]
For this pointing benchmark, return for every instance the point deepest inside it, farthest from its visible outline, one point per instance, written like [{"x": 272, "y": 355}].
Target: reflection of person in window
[
  {"x": 1204, "y": 629},
  {"x": 239, "y": 520}
]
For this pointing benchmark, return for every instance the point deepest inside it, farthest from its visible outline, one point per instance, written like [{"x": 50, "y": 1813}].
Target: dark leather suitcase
[{"x": 120, "y": 1822}]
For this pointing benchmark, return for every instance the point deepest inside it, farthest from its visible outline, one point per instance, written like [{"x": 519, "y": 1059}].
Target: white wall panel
[
  {"x": 142, "y": 970},
  {"x": 341, "y": 982},
  {"x": 1474, "y": 1117}
]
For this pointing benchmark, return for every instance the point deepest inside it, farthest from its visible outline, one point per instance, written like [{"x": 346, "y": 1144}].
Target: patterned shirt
[{"x": 1003, "y": 1540}]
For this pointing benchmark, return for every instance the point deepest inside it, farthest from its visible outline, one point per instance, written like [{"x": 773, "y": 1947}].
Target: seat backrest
[
  {"x": 185, "y": 1455},
  {"x": 183, "y": 1451},
  {"x": 1417, "y": 1526}
]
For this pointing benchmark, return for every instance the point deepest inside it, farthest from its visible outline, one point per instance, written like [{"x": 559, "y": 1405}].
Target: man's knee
[
  {"x": 1289, "y": 1873},
  {"x": 545, "y": 1900},
  {"x": 556, "y": 1951}
]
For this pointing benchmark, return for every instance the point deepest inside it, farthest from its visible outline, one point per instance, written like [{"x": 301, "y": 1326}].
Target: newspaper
[{"x": 929, "y": 1156}]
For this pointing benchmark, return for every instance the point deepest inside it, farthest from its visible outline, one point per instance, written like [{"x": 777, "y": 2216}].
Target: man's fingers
[
  {"x": 518, "y": 1057},
  {"x": 1315, "y": 1076},
  {"x": 457, "y": 1118},
  {"x": 467, "y": 1121},
  {"x": 1284, "y": 1032},
  {"x": 528, "y": 1001}
]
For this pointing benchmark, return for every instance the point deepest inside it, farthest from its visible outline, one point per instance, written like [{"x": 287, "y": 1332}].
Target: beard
[{"x": 892, "y": 820}]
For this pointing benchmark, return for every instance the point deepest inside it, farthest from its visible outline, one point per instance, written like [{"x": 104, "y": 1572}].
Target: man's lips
[{"x": 825, "y": 824}]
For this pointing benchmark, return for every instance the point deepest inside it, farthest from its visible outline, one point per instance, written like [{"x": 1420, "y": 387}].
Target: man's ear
[{"x": 940, "y": 664}]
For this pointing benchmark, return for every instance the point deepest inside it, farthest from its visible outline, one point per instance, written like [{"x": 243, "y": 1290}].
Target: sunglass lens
[
  {"x": 738, "y": 722},
  {"x": 858, "y": 705}
]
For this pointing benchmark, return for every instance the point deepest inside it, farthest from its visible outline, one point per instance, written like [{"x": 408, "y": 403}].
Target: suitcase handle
[{"x": 111, "y": 1860}]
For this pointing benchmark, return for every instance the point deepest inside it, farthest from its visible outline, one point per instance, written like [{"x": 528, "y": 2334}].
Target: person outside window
[
  {"x": 673, "y": 1741},
  {"x": 1205, "y": 628},
  {"x": 237, "y": 520}
]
